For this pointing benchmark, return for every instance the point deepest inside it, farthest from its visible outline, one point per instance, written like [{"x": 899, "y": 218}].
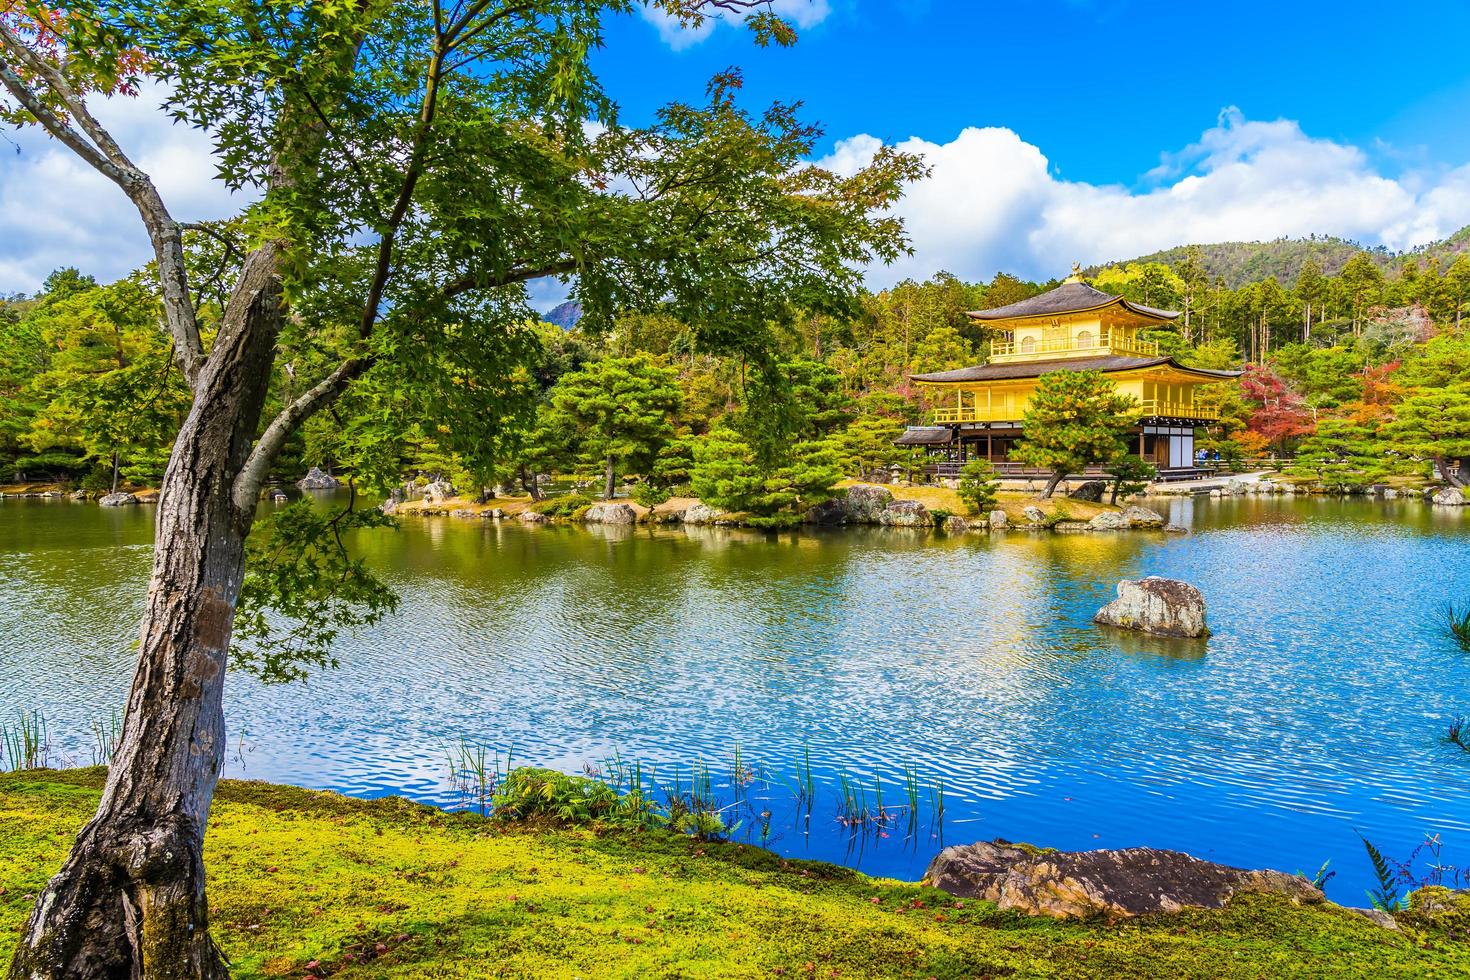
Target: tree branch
[
  {"x": 103, "y": 154},
  {"x": 251, "y": 478},
  {"x": 471, "y": 282}
]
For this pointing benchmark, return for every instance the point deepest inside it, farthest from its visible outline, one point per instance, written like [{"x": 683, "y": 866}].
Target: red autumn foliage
[{"x": 1278, "y": 414}]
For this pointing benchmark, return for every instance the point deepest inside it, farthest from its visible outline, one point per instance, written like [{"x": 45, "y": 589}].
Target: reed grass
[
  {"x": 25, "y": 743},
  {"x": 106, "y": 734},
  {"x": 1459, "y": 733},
  {"x": 1457, "y": 620}
]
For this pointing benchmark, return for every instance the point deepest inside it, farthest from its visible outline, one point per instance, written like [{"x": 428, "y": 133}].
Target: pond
[{"x": 1314, "y": 713}]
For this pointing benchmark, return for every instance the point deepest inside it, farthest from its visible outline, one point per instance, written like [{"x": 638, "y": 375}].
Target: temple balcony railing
[
  {"x": 1157, "y": 408},
  {"x": 1149, "y": 408},
  {"x": 1009, "y": 351},
  {"x": 975, "y": 413}
]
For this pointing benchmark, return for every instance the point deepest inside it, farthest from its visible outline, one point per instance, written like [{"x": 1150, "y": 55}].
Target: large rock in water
[
  {"x": 866, "y": 502},
  {"x": 1449, "y": 497},
  {"x": 608, "y": 513},
  {"x": 1091, "y": 491},
  {"x": 905, "y": 513},
  {"x": 316, "y": 479},
  {"x": 1122, "y": 883},
  {"x": 1162, "y": 606},
  {"x": 117, "y": 500}
]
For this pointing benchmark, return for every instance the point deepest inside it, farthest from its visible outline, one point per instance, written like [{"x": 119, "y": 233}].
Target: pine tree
[
  {"x": 1073, "y": 420},
  {"x": 618, "y": 411},
  {"x": 1434, "y": 424}
]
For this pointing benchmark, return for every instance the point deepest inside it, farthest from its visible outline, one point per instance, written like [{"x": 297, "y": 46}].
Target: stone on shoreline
[
  {"x": 702, "y": 513},
  {"x": 1034, "y": 514},
  {"x": 117, "y": 500},
  {"x": 1108, "y": 520},
  {"x": 610, "y": 513},
  {"x": 1091, "y": 491},
  {"x": 998, "y": 520},
  {"x": 1162, "y": 606},
  {"x": 955, "y": 524},
  {"x": 1118, "y": 883},
  {"x": 1449, "y": 497},
  {"x": 1137, "y": 516},
  {"x": 316, "y": 479},
  {"x": 531, "y": 517},
  {"x": 438, "y": 492},
  {"x": 865, "y": 503},
  {"x": 905, "y": 513}
]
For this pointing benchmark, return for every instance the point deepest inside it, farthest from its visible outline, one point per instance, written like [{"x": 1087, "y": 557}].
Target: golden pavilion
[{"x": 1071, "y": 328}]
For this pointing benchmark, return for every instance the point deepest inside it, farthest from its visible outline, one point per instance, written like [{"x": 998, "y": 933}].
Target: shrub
[
  {"x": 563, "y": 506},
  {"x": 977, "y": 485},
  {"x": 528, "y": 793}
]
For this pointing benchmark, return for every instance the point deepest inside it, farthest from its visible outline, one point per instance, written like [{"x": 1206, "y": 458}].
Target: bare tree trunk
[
  {"x": 528, "y": 480},
  {"x": 129, "y": 901},
  {"x": 1051, "y": 484},
  {"x": 114, "y": 471},
  {"x": 610, "y": 481}
]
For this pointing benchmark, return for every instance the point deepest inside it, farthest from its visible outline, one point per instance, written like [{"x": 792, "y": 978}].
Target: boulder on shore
[
  {"x": 1034, "y": 514},
  {"x": 702, "y": 513},
  {"x": 1162, "y": 606},
  {"x": 317, "y": 479},
  {"x": 1118, "y": 883},
  {"x": 1108, "y": 520},
  {"x": 1449, "y": 497},
  {"x": 531, "y": 517},
  {"x": 998, "y": 520},
  {"x": 905, "y": 513},
  {"x": 438, "y": 492},
  {"x": 1091, "y": 491},
  {"x": 1137, "y": 516},
  {"x": 865, "y": 503},
  {"x": 117, "y": 500},
  {"x": 610, "y": 513},
  {"x": 828, "y": 512},
  {"x": 955, "y": 524}
]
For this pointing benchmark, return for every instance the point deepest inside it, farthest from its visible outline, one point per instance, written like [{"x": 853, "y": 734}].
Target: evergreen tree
[
  {"x": 1342, "y": 454},
  {"x": 978, "y": 486},
  {"x": 1073, "y": 420},
  {"x": 1434, "y": 425},
  {"x": 867, "y": 445},
  {"x": 619, "y": 412}
]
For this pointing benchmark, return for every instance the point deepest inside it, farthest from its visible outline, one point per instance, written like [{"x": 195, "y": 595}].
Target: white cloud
[
  {"x": 992, "y": 202},
  {"x": 802, "y": 13},
  {"x": 56, "y": 211}
]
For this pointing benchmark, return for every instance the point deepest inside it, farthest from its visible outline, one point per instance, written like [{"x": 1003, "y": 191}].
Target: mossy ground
[{"x": 307, "y": 883}]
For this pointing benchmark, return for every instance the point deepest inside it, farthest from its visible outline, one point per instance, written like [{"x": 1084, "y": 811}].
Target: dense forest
[{"x": 1356, "y": 367}]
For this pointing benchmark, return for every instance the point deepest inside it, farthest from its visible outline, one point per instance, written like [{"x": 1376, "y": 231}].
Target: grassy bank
[{"x": 307, "y": 883}]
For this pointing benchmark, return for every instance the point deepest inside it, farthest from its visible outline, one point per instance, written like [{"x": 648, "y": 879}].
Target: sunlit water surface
[{"x": 1314, "y": 712}]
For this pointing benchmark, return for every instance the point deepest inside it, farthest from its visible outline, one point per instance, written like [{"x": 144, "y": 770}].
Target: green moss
[{"x": 313, "y": 882}]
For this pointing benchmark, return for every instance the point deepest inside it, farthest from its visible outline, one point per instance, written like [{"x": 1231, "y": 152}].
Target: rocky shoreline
[{"x": 863, "y": 504}]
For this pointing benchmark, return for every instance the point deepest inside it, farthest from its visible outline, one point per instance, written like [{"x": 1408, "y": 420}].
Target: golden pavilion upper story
[{"x": 1074, "y": 327}]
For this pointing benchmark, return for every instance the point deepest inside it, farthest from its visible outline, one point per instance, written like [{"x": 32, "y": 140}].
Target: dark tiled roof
[
  {"x": 924, "y": 435},
  {"x": 1034, "y": 369},
  {"x": 1069, "y": 297}
]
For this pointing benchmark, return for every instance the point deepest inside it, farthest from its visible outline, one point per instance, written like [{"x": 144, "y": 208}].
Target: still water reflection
[{"x": 1315, "y": 710}]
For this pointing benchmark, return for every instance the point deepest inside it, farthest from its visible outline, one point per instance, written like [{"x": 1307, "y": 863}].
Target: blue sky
[
  {"x": 1102, "y": 88},
  {"x": 1058, "y": 130}
]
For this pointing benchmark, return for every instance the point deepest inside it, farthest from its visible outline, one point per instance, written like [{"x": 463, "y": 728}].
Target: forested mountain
[{"x": 1239, "y": 263}]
